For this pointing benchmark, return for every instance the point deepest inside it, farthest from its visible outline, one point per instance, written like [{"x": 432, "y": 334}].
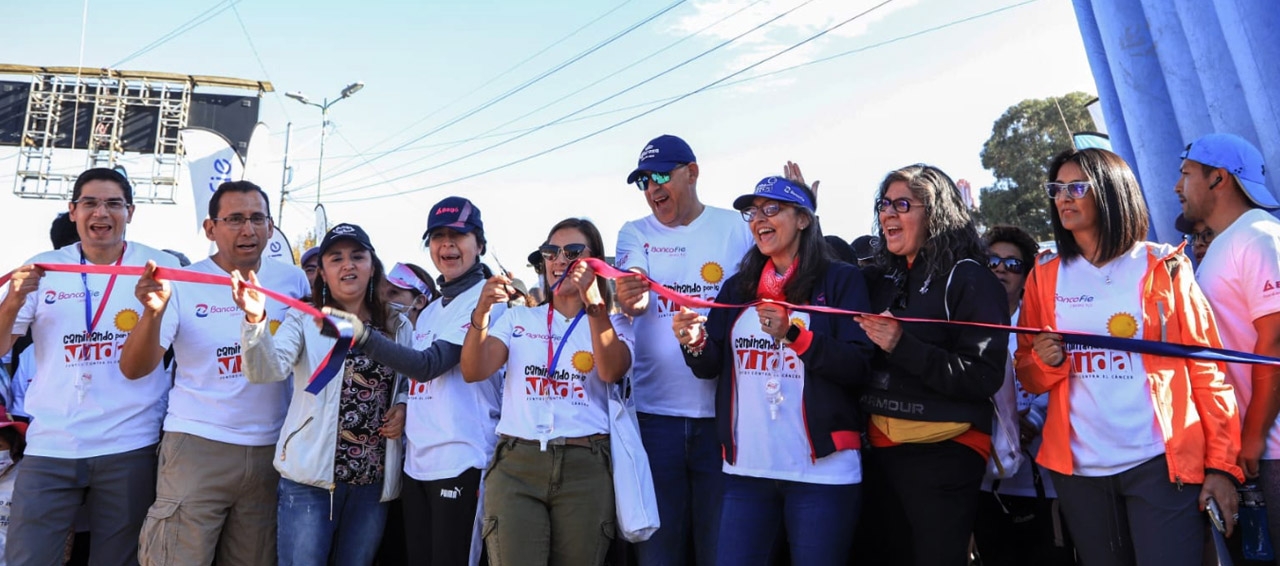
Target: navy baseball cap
[
  {"x": 345, "y": 232},
  {"x": 779, "y": 189},
  {"x": 663, "y": 154},
  {"x": 1241, "y": 158},
  {"x": 456, "y": 213},
  {"x": 308, "y": 255}
]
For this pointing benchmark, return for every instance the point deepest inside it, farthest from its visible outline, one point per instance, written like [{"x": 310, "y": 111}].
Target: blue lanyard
[{"x": 90, "y": 318}]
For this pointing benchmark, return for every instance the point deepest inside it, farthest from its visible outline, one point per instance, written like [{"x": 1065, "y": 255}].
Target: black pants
[
  {"x": 1012, "y": 531},
  {"x": 438, "y": 519},
  {"x": 920, "y": 501}
]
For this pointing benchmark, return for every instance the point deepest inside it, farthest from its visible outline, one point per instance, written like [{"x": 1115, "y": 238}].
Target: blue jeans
[
  {"x": 311, "y": 530},
  {"x": 684, "y": 455},
  {"x": 819, "y": 520}
]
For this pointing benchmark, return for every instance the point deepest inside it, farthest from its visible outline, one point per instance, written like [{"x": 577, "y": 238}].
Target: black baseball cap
[{"x": 345, "y": 232}]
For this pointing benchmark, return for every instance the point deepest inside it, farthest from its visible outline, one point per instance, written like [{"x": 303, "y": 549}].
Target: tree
[{"x": 1023, "y": 141}]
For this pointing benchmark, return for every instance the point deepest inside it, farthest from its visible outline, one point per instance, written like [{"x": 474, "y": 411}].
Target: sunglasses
[
  {"x": 1074, "y": 190},
  {"x": 769, "y": 210},
  {"x": 642, "y": 182},
  {"x": 901, "y": 206},
  {"x": 571, "y": 251},
  {"x": 1011, "y": 264}
]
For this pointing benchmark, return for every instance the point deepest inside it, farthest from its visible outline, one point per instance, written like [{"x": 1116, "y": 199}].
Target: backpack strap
[{"x": 946, "y": 294}]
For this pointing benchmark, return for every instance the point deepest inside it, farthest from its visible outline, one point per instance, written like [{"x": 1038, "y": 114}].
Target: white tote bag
[{"x": 636, "y": 502}]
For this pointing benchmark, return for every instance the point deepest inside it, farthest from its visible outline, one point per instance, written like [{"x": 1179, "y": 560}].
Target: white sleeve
[
  {"x": 630, "y": 251},
  {"x": 1261, "y": 264},
  {"x": 169, "y": 324},
  {"x": 270, "y": 358},
  {"x": 502, "y": 328}
]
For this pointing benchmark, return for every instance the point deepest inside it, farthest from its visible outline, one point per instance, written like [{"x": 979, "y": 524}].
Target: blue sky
[{"x": 929, "y": 98}]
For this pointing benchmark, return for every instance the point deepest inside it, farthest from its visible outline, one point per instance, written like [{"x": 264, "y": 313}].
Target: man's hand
[
  {"x": 633, "y": 294},
  {"x": 151, "y": 292},
  {"x": 24, "y": 280},
  {"x": 253, "y": 303}
]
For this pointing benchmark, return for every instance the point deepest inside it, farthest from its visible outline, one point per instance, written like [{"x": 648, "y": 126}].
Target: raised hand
[
  {"x": 151, "y": 292},
  {"x": 687, "y": 324},
  {"x": 24, "y": 280},
  {"x": 252, "y": 302},
  {"x": 633, "y": 293},
  {"x": 791, "y": 171},
  {"x": 584, "y": 278}
]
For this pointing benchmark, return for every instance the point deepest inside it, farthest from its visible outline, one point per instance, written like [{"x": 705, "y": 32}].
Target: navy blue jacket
[{"x": 836, "y": 363}]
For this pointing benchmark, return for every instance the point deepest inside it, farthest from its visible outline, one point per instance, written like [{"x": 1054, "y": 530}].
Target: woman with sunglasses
[
  {"x": 450, "y": 421},
  {"x": 339, "y": 453},
  {"x": 1135, "y": 443},
  {"x": 786, "y": 399},
  {"x": 1018, "y": 520},
  {"x": 548, "y": 495},
  {"x": 931, "y": 384}
]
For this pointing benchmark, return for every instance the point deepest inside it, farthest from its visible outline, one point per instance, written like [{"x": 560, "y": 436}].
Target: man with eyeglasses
[
  {"x": 1223, "y": 185},
  {"x": 1196, "y": 234},
  {"x": 216, "y": 487},
  {"x": 93, "y": 435},
  {"x": 692, "y": 248}
]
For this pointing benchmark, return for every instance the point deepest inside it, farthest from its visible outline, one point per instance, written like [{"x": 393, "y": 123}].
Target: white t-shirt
[
  {"x": 451, "y": 424},
  {"x": 695, "y": 260},
  {"x": 777, "y": 448},
  {"x": 1240, "y": 275},
  {"x": 211, "y": 397},
  {"x": 573, "y": 402},
  {"x": 80, "y": 404},
  {"x": 1113, "y": 421}
]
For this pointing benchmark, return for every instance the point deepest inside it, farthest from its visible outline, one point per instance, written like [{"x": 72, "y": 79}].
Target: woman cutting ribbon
[
  {"x": 786, "y": 400},
  {"x": 548, "y": 491}
]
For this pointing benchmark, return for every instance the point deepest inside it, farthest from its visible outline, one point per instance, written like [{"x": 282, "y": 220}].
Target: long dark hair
[
  {"x": 321, "y": 297},
  {"x": 595, "y": 245},
  {"x": 814, "y": 256},
  {"x": 1122, "y": 214},
  {"x": 952, "y": 235}
]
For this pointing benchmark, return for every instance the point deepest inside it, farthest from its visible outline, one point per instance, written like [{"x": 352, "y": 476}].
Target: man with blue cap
[
  {"x": 1223, "y": 185},
  {"x": 692, "y": 248}
]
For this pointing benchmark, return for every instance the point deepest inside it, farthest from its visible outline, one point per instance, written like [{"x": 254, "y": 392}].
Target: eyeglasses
[
  {"x": 1074, "y": 190},
  {"x": 112, "y": 204},
  {"x": 238, "y": 220},
  {"x": 571, "y": 251},
  {"x": 769, "y": 210},
  {"x": 1202, "y": 238},
  {"x": 642, "y": 182},
  {"x": 1011, "y": 264},
  {"x": 901, "y": 206}
]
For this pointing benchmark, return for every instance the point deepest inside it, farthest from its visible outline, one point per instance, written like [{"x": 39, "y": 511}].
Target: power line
[
  {"x": 490, "y": 132},
  {"x": 249, "y": 39},
  {"x": 652, "y": 78},
  {"x": 522, "y": 86},
  {"x": 193, "y": 23},
  {"x": 635, "y": 117}
]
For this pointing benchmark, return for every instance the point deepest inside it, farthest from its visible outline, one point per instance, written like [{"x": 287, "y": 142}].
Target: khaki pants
[
  {"x": 548, "y": 508},
  {"x": 213, "y": 499}
]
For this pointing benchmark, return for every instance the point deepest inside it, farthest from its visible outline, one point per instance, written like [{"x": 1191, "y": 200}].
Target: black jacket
[
  {"x": 836, "y": 362},
  {"x": 939, "y": 372}
]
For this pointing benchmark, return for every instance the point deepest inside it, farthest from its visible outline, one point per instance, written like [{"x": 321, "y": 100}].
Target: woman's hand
[
  {"x": 791, "y": 172},
  {"x": 1223, "y": 491},
  {"x": 253, "y": 303},
  {"x": 773, "y": 319},
  {"x": 496, "y": 290},
  {"x": 1048, "y": 347},
  {"x": 687, "y": 324},
  {"x": 392, "y": 422},
  {"x": 883, "y": 330},
  {"x": 584, "y": 278}
]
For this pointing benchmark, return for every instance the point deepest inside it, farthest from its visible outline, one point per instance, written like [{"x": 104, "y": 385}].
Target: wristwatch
[{"x": 793, "y": 334}]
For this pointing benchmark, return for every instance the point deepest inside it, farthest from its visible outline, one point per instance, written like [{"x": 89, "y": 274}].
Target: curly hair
[
  {"x": 1122, "y": 213},
  {"x": 1018, "y": 238},
  {"x": 952, "y": 234}
]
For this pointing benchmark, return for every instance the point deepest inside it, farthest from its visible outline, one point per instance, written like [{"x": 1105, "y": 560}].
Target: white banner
[
  {"x": 210, "y": 162},
  {"x": 262, "y": 162},
  {"x": 278, "y": 248}
]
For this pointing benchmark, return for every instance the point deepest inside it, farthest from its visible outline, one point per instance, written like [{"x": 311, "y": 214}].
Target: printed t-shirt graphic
[
  {"x": 81, "y": 405},
  {"x": 1113, "y": 421},
  {"x": 211, "y": 397},
  {"x": 695, "y": 260}
]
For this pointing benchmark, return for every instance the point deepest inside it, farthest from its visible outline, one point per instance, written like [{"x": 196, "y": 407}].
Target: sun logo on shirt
[
  {"x": 1122, "y": 325},
  {"x": 126, "y": 320},
  {"x": 712, "y": 272},
  {"x": 584, "y": 362},
  {"x": 798, "y": 322},
  {"x": 273, "y": 326}
]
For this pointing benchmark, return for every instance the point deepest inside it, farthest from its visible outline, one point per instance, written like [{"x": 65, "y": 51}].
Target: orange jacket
[{"x": 1195, "y": 407}]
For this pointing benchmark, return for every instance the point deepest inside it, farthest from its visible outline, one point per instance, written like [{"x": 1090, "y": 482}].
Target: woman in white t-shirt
[
  {"x": 1124, "y": 432},
  {"x": 548, "y": 491}
]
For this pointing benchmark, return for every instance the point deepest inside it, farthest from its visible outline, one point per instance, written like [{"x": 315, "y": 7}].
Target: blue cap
[
  {"x": 1235, "y": 154},
  {"x": 779, "y": 189},
  {"x": 454, "y": 212},
  {"x": 307, "y": 255},
  {"x": 663, "y": 154}
]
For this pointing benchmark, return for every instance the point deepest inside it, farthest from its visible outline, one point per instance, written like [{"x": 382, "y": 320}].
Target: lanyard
[
  {"x": 554, "y": 358},
  {"x": 90, "y": 317}
]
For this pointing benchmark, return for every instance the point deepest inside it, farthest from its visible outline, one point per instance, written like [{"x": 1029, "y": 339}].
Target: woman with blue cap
[{"x": 786, "y": 400}]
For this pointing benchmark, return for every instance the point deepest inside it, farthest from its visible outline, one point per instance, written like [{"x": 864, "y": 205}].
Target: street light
[{"x": 324, "y": 124}]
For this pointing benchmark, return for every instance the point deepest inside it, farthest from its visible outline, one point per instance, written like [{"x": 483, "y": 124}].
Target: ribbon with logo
[
  {"x": 1135, "y": 345},
  {"x": 334, "y": 326}
]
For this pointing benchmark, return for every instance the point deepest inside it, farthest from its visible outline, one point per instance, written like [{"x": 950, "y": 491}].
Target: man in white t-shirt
[
  {"x": 93, "y": 432},
  {"x": 216, "y": 488},
  {"x": 692, "y": 248},
  {"x": 1223, "y": 185}
]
